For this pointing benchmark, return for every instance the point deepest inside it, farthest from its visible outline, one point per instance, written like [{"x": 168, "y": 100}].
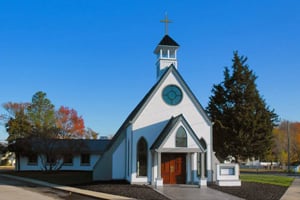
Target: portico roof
[{"x": 169, "y": 128}]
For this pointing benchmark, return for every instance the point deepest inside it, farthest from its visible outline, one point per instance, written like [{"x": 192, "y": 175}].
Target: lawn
[{"x": 267, "y": 179}]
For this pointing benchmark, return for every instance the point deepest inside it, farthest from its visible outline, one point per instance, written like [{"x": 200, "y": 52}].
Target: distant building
[
  {"x": 106, "y": 137},
  {"x": 77, "y": 154}
]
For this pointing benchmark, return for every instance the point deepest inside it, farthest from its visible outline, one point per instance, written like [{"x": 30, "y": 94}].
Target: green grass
[{"x": 267, "y": 179}]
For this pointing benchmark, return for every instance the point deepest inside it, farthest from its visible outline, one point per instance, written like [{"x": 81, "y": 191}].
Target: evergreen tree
[
  {"x": 243, "y": 122},
  {"x": 41, "y": 113}
]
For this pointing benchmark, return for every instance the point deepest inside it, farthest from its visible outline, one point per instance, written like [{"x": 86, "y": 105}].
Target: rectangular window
[
  {"x": 32, "y": 159},
  {"x": 68, "y": 160},
  {"x": 85, "y": 159},
  {"x": 51, "y": 159}
]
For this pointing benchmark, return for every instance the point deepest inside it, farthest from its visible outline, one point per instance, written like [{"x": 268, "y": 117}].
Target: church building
[{"x": 167, "y": 138}]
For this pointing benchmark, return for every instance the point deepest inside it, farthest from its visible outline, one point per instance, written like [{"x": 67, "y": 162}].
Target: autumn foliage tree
[
  {"x": 40, "y": 119},
  {"x": 69, "y": 123},
  {"x": 280, "y": 142},
  {"x": 16, "y": 120},
  {"x": 39, "y": 123}
]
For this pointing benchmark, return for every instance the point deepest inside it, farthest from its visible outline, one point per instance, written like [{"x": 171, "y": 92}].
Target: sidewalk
[
  {"x": 193, "y": 192},
  {"x": 89, "y": 193},
  {"x": 293, "y": 192}
]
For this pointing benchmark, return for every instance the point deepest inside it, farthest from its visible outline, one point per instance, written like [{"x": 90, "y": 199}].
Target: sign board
[
  {"x": 226, "y": 171},
  {"x": 228, "y": 175}
]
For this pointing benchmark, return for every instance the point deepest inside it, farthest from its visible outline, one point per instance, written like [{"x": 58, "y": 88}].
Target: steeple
[{"x": 166, "y": 51}]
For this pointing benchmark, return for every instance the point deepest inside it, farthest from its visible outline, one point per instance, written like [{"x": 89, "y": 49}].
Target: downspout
[{"x": 212, "y": 152}]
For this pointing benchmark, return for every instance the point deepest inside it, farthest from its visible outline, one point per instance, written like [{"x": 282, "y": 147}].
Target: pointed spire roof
[{"x": 168, "y": 41}]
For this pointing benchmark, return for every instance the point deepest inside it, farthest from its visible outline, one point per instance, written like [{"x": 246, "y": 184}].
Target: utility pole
[{"x": 288, "y": 145}]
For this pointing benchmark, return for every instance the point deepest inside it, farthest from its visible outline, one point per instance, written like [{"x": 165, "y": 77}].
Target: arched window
[
  {"x": 181, "y": 138},
  {"x": 142, "y": 151}
]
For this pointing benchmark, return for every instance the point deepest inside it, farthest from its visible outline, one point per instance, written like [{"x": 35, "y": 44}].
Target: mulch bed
[
  {"x": 254, "y": 191},
  {"x": 142, "y": 192},
  {"x": 248, "y": 190}
]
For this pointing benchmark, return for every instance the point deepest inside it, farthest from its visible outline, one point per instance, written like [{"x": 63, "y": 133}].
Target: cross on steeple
[{"x": 166, "y": 21}]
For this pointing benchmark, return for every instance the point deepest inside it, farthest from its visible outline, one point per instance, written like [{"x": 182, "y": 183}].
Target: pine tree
[
  {"x": 243, "y": 122},
  {"x": 42, "y": 116}
]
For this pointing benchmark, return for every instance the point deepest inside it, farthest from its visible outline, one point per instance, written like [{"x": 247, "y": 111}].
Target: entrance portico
[
  {"x": 179, "y": 168},
  {"x": 178, "y": 155}
]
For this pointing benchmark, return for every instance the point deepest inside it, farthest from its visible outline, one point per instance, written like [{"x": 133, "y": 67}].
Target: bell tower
[{"x": 166, "y": 51}]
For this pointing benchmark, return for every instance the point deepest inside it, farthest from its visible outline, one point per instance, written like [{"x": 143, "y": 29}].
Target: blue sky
[{"x": 97, "y": 56}]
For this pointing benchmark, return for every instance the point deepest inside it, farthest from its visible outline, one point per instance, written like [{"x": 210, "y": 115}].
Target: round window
[{"x": 172, "y": 95}]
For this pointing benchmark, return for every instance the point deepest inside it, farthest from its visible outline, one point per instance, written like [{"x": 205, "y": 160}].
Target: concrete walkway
[
  {"x": 12, "y": 189},
  {"x": 293, "y": 192},
  {"x": 193, "y": 192},
  {"x": 89, "y": 193}
]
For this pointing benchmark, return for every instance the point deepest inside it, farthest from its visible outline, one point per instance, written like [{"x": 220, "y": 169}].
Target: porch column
[
  {"x": 203, "y": 180},
  {"x": 202, "y": 166},
  {"x": 189, "y": 170},
  {"x": 159, "y": 180},
  {"x": 159, "y": 165}
]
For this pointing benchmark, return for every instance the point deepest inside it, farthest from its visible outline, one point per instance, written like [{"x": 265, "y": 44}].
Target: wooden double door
[{"x": 173, "y": 168}]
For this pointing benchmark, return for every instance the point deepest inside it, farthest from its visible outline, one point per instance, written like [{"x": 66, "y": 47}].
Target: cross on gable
[{"x": 166, "y": 21}]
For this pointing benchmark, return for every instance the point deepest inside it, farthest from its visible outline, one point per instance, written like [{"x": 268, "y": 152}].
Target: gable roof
[
  {"x": 78, "y": 145},
  {"x": 138, "y": 109},
  {"x": 168, "y": 41},
  {"x": 168, "y": 129},
  {"x": 165, "y": 132},
  {"x": 94, "y": 146}
]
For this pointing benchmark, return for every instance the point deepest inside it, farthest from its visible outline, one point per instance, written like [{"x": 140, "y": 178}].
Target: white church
[{"x": 167, "y": 138}]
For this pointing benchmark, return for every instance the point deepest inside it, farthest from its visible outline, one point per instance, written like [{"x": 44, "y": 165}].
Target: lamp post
[{"x": 288, "y": 145}]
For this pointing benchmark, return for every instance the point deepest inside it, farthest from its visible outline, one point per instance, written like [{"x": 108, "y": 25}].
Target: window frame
[
  {"x": 82, "y": 156},
  {"x": 181, "y": 140},
  {"x": 142, "y": 156},
  {"x": 30, "y": 160},
  {"x": 68, "y": 157},
  {"x": 172, "y": 95}
]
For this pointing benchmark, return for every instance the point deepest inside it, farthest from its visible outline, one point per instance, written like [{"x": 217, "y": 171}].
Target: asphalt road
[{"x": 13, "y": 189}]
